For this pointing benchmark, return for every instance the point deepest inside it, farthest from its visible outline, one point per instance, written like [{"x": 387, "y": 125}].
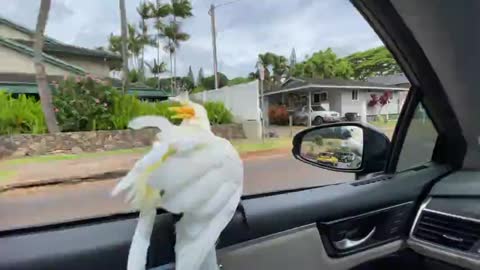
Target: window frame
[
  {"x": 354, "y": 94},
  {"x": 319, "y": 94}
]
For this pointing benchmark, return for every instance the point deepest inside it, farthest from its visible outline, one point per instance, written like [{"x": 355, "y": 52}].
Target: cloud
[{"x": 245, "y": 28}]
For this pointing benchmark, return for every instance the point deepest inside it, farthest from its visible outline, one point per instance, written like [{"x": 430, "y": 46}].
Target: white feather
[
  {"x": 197, "y": 174},
  {"x": 150, "y": 121},
  {"x": 137, "y": 258}
]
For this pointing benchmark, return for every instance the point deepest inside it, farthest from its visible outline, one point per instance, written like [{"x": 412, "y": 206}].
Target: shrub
[
  {"x": 218, "y": 113},
  {"x": 83, "y": 104},
  {"x": 209, "y": 82},
  {"x": 20, "y": 115},
  {"x": 278, "y": 115}
]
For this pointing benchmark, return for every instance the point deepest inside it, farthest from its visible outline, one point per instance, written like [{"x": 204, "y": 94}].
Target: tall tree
[
  {"x": 41, "y": 75},
  {"x": 373, "y": 62},
  {"x": 123, "y": 24},
  {"x": 158, "y": 11},
  {"x": 190, "y": 75},
  {"x": 323, "y": 65},
  {"x": 200, "y": 77},
  {"x": 135, "y": 43},
  {"x": 174, "y": 35},
  {"x": 293, "y": 58},
  {"x": 276, "y": 67},
  {"x": 144, "y": 11},
  {"x": 180, "y": 9}
]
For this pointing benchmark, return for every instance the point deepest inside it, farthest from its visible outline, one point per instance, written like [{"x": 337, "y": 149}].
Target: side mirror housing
[{"x": 344, "y": 147}]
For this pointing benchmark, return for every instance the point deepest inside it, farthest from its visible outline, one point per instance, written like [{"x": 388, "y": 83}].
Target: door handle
[{"x": 347, "y": 243}]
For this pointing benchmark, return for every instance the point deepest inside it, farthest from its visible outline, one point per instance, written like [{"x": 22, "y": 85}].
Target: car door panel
[
  {"x": 299, "y": 248},
  {"x": 103, "y": 244}
]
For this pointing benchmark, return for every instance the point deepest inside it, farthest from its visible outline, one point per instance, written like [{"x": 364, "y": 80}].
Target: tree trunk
[
  {"x": 175, "y": 72},
  {"x": 175, "y": 57},
  {"x": 142, "y": 63},
  {"x": 41, "y": 76},
  {"x": 123, "y": 23},
  {"x": 171, "y": 74},
  {"x": 158, "y": 57}
]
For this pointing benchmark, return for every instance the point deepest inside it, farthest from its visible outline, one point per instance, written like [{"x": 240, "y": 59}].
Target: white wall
[
  {"x": 8, "y": 32},
  {"x": 15, "y": 62},
  {"x": 92, "y": 66},
  {"x": 241, "y": 99}
]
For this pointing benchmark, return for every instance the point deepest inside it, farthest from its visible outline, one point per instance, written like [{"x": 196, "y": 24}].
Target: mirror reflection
[{"x": 336, "y": 147}]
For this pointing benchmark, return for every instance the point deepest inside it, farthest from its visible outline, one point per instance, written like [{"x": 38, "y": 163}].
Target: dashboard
[{"x": 447, "y": 225}]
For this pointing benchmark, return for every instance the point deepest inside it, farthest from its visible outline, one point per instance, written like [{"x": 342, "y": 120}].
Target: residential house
[
  {"x": 17, "y": 73},
  {"x": 342, "y": 96}
]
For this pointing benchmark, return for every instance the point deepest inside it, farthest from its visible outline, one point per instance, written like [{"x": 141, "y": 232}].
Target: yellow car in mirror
[{"x": 327, "y": 158}]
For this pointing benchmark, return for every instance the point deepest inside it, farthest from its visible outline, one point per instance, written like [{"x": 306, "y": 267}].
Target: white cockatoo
[{"x": 188, "y": 171}]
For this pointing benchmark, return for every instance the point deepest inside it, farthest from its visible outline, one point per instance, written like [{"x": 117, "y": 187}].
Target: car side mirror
[{"x": 343, "y": 147}]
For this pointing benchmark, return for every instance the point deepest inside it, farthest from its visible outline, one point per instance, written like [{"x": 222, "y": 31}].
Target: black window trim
[{"x": 426, "y": 88}]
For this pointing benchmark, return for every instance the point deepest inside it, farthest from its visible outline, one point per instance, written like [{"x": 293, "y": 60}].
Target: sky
[{"x": 245, "y": 28}]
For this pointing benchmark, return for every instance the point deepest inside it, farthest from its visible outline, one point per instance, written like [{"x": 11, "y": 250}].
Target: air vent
[{"x": 448, "y": 231}]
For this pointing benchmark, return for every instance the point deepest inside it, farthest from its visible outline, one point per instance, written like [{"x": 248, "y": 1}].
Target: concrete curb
[{"x": 120, "y": 173}]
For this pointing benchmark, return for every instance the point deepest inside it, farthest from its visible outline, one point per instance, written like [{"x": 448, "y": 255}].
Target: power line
[{"x": 227, "y": 3}]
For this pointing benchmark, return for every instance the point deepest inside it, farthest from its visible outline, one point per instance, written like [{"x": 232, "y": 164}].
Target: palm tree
[
  {"x": 123, "y": 23},
  {"x": 157, "y": 68},
  {"x": 180, "y": 9},
  {"x": 136, "y": 43},
  {"x": 144, "y": 11},
  {"x": 158, "y": 11},
  {"x": 174, "y": 36},
  {"x": 41, "y": 76}
]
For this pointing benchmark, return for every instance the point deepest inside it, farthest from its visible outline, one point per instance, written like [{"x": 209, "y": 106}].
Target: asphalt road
[{"x": 54, "y": 204}]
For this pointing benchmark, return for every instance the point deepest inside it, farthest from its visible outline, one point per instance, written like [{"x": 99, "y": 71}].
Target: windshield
[{"x": 65, "y": 139}]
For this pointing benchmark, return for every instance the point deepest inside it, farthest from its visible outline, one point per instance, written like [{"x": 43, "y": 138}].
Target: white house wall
[
  {"x": 242, "y": 100},
  {"x": 9, "y": 32},
  {"x": 93, "y": 66},
  {"x": 15, "y": 62}
]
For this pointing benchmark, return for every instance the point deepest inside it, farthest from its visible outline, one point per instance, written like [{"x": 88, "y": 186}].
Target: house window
[
  {"x": 320, "y": 97},
  {"x": 354, "y": 94}
]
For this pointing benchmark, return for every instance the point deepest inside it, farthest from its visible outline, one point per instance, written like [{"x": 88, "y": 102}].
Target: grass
[
  {"x": 242, "y": 146},
  {"x": 49, "y": 158},
  {"x": 6, "y": 174},
  {"x": 382, "y": 124}
]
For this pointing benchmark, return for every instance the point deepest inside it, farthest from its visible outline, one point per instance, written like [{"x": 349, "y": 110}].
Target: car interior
[{"x": 415, "y": 203}]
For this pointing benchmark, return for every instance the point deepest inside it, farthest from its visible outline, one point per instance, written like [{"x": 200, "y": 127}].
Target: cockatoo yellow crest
[{"x": 189, "y": 171}]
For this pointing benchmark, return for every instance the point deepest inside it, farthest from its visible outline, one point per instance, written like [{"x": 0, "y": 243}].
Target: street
[{"x": 52, "y": 204}]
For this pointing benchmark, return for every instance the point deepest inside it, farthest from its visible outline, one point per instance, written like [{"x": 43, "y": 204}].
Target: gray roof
[
  {"x": 52, "y": 45},
  {"x": 394, "y": 79},
  {"x": 298, "y": 84}
]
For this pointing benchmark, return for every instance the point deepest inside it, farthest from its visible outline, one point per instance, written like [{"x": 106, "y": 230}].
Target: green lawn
[
  {"x": 382, "y": 124},
  {"x": 242, "y": 146},
  {"x": 47, "y": 158},
  {"x": 6, "y": 174}
]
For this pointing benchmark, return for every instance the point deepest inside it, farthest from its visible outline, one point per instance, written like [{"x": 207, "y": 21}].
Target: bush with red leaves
[{"x": 278, "y": 115}]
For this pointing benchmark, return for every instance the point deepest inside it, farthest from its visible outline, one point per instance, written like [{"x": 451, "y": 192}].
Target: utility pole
[
  {"x": 123, "y": 24},
  {"x": 211, "y": 12}
]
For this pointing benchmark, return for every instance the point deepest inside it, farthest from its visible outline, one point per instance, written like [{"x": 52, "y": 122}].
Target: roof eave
[{"x": 336, "y": 86}]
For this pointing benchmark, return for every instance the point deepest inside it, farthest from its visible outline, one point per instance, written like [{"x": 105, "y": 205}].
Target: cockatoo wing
[
  {"x": 209, "y": 205},
  {"x": 155, "y": 155},
  {"x": 150, "y": 121}
]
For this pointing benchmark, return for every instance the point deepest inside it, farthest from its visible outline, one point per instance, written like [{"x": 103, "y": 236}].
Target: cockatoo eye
[{"x": 182, "y": 112}]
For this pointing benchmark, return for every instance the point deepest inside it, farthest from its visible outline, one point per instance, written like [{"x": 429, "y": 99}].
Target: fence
[{"x": 242, "y": 100}]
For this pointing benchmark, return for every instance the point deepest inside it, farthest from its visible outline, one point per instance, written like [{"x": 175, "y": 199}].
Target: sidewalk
[{"x": 86, "y": 169}]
